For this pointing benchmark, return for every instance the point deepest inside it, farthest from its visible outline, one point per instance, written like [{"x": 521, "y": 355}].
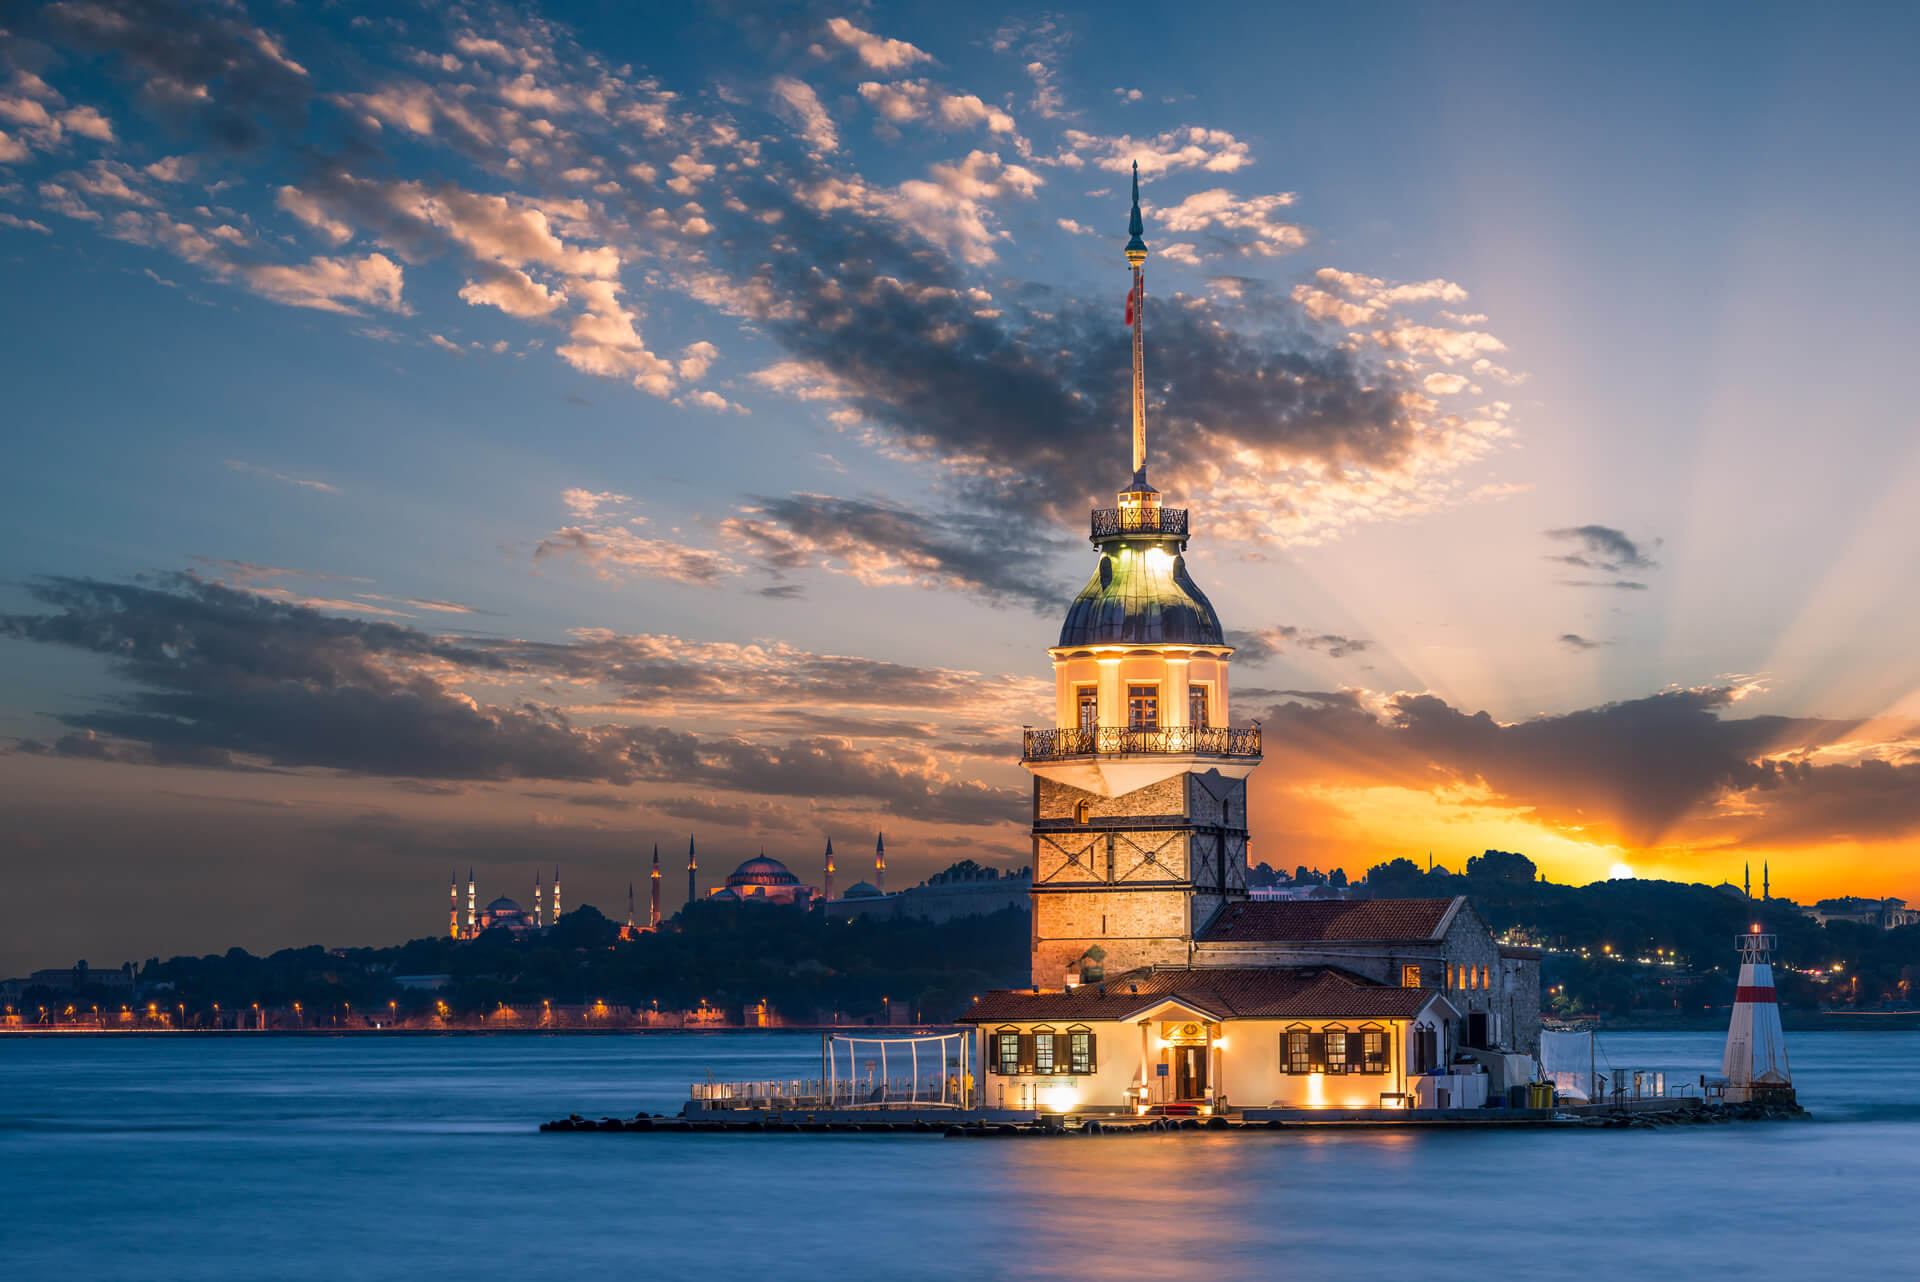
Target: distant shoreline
[{"x": 252, "y": 1033}]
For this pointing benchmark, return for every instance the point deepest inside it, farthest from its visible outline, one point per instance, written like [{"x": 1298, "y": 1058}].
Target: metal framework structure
[{"x": 1204, "y": 741}]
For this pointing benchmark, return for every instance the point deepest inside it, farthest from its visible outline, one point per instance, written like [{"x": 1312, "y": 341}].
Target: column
[
  {"x": 1113, "y": 700},
  {"x": 1173, "y": 692}
]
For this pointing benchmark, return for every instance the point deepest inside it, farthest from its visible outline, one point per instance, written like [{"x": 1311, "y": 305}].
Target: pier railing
[
  {"x": 814, "y": 1093},
  {"x": 1206, "y": 741}
]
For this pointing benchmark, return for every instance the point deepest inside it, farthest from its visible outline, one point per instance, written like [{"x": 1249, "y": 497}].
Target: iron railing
[
  {"x": 1109, "y": 521},
  {"x": 1210, "y": 741}
]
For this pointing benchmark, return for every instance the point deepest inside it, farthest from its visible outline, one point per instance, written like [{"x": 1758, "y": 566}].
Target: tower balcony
[
  {"x": 1110, "y": 522},
  {"x": 1126, "y": 741}
]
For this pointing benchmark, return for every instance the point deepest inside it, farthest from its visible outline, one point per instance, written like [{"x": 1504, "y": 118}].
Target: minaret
[
  {"x": 1140, "y": 793},
  {"x": 556, "y": 895},
  {"x": 880, "y": 863},
  {"x": 472, "y": 920},
  {"x": 828, "y": 896},
  {"x": 630, "y": 925},
  {"x": 453, "y": 904},
  {"x": 1746, "y": 880},
  {"x": 693, "y": 867},
  {"x": 1766, "y": 886},
  {"x": 537, "y": 922},
  {"x": 653, "y": 918}
]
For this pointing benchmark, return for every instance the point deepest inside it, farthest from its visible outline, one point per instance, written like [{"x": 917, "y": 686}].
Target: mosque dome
[
  {"x": 762, "y": 871},
  {"x": 503, "y": 905},
  {"x": 862, "y": 890},
  {"x": 1141, "y": 596}
]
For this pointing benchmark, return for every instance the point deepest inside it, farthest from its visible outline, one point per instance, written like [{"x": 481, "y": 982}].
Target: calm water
[{"x": 411, "y": 1158}]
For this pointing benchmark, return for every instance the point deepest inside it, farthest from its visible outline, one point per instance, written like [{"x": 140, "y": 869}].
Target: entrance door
[{"x": 1190, "y": 1073}]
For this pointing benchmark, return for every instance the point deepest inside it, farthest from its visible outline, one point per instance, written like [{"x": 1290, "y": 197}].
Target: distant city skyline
[{"x": 521, "y": 436}]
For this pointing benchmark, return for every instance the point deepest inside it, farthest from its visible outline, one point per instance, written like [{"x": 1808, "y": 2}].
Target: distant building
[
  {"x": 763, "y": 880},
  {"x": 503, "y": 913},
  {"x": 1884, "y": 914},
  {"x": 967, "y": 889}
]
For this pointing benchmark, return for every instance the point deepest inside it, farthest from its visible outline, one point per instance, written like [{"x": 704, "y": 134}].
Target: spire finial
[{"x": 1136, "y": 253}]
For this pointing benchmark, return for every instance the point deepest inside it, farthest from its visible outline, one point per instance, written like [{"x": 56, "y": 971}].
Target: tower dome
[{"x": 1141, "y": 595}]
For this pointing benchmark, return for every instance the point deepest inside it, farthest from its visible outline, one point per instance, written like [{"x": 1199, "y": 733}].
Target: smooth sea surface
[{"x": 418, "y": 1157}]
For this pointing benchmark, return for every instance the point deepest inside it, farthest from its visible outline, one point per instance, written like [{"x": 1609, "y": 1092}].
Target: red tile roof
[
  {"x": 1270, "y": 992},
  {"x": 1323, "y": 920}
]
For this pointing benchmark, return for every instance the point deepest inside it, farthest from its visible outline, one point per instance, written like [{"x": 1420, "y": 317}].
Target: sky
[{"x": 511, "y": 437}]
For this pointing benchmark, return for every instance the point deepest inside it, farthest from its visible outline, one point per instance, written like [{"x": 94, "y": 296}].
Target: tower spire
[
  {"x": 470, "y": 914},
  {"x": 556, "y": 894},
  {"x": 653, "y": 918},
  {"x": 1136, "y": 253},
  {"x": 538, "y": 920},
  {"x": 693, "y": 867},
  {"x": 828, "y": 896},
  {"x": 453, "y": 902},
  {"x": 880, "y": 862}
]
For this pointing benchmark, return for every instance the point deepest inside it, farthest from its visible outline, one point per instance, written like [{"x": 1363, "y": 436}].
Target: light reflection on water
[{"x": 362, "y": 1158}]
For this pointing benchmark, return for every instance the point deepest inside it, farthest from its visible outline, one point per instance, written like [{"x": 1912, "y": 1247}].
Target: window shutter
[
  {"x": 1026, "y": 1052},
  {"x": 1356, "y": 1052},
  {"x": 1063, "y": 1053},
  {"x": 1317, "y": 1051},
  {"x": 1093, "y": 1053}
]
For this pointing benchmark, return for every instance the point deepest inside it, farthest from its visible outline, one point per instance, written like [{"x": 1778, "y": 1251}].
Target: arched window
[{"x": 1082, "y": 812}]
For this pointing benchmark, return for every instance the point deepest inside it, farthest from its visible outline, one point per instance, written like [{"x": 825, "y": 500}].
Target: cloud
[
  {"x": 1263, "y": 644},
  {"x": 880, "y": 543},
  {"x": 616, "y": 550},
  {"x": 1601, "y": 547},
  {"x": 226, "y": 678},
  {"x": 877, "y": 52},
  {"x": 1639, "y": 772},
  {"x": 331, "y": 284},
  {"x": 1191, "y": 147},
  {"x": 304, "y": 483},
  {"x": 1574, "y": 641},
  {"x": 1218, "y": 208},
  {"x": 797, "y": 103}
]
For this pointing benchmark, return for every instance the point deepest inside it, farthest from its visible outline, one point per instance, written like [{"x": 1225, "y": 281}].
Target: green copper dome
[{"x": 1141, "y": 596}]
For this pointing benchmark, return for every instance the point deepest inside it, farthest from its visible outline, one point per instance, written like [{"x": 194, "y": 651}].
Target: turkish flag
[{"x": 1129, "y": 308}]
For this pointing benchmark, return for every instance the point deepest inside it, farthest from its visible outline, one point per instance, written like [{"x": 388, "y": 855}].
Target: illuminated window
[
  {"x": 1299, "y": 1051},
  {"x": 1082, "y": 812},
  {"x": 1006, "y": 1052},
  {"x": 1486, "y": 979},
  {"x": 1080, "y": 1051},
  {"x": 1197, "y": 706},
  {"x": 1043, "y": 1050},
  {"x": 1410, "y": 977},
  {"x": 1373, "y": 1050},
  {"x": 1337, "y": 1061},
  {"x": 1087, "y": 702},
  {"x": 1143, "y": 707}
]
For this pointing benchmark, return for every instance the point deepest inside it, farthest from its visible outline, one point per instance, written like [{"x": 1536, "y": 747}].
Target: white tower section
[{"x": 1756, "y": 1058}]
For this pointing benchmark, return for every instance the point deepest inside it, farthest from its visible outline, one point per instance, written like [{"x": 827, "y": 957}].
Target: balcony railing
[
  {"x": 1209, "y": 741},
  {"x": 1110, "y": 521}
]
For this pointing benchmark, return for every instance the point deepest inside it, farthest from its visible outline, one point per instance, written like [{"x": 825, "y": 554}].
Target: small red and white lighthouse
[{"x": 1755, "y": 1065}]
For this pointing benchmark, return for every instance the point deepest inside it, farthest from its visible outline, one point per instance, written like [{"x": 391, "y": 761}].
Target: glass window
[
  {"x": 1143, "y": 707},
  {"x": 1409, "y": 977},
  {"x": 1080, "y": 1052},
  {"x": 1197, "y": 706},
  {"x": 1373, "y": 1050},
  {"x": 1087, "y": 701},
  {"x": 1336, "y": 1050},
  {"x": 1007, "y": 1056},
  {"x": 1299, "y": 1052},
  {"x": 1043, "y": 1050}
]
